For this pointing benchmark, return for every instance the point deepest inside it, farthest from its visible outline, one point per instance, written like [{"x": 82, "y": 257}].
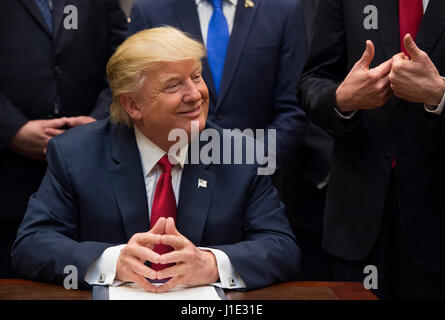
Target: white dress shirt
[
  {"x": 432, "y": 109},
  {"x": 103, "y": 269},
  {"x": 205, "y": 11}
]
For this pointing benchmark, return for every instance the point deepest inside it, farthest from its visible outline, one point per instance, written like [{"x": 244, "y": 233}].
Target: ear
[{"x": 130, "y": 106}]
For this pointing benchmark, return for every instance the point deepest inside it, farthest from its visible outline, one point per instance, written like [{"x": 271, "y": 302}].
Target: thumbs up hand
[
  {"x": 365, "y": 88},
  {"x": 416, "y": 79}
]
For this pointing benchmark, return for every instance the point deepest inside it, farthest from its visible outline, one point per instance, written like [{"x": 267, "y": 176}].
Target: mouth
[{"x": 193, "y": 113}]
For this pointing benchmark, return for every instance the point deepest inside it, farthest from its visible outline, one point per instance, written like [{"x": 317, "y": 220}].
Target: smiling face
[{"x": 172, "y": 96}]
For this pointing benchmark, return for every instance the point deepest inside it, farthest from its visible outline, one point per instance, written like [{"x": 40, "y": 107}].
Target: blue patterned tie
[
  {"x": 217, "y": 41},
  {"x": 46, "y": 12}
]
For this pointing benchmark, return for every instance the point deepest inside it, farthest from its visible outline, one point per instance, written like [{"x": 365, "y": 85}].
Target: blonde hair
[{"x": 142, "y": 53}]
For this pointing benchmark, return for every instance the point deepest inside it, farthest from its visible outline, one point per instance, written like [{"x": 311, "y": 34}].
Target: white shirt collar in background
[
  {"x": 205, "y": 11},
  {"x": 425, "y": 5},
  {"x": 233, "y": 2}
]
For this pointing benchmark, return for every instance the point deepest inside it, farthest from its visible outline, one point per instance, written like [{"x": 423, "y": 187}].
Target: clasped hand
[
  {"x": 192, "y": 266},
  {"x": 414, "y": 79},
  {"x": 32, "y": 138}
]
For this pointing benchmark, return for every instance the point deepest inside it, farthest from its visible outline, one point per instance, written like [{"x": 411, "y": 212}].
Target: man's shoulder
[{"x": 91, "y": 133}]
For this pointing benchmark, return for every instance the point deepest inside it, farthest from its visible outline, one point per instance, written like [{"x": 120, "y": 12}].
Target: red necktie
[
  {"x": 164, "y": 205},
  {"x": 410, "y": 17}
]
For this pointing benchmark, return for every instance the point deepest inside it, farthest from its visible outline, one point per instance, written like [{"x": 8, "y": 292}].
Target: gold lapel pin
[{"x": 249, "y": 4}]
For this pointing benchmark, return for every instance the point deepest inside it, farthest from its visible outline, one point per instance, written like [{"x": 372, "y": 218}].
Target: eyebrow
[
  {"x": 170, "y": 78},
  {"x": 175, "y": 76}
]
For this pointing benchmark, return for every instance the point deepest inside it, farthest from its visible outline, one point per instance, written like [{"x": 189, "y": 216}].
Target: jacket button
[
  {"x": 388, "y": 156},
  {"x": 58, "y": 70}
]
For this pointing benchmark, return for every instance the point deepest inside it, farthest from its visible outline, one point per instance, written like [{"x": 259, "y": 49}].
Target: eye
[
  {"x": 196, "y": 77},
  {"x": 171, "y": 87},
  {"x": 173, "y": 84}
]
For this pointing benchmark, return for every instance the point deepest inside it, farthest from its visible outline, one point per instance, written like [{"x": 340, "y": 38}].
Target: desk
[{"x": 17, "y": 289}]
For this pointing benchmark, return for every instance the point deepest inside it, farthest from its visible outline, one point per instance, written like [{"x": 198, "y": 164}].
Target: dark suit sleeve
[
  {"x": 11, "y": 119},
  {"x": 288, "y": 118},
  {"x": 117, "y": 28},
  {"x": 47, "y": 240},
  {"x": 325, "y": 69},
  {"x": 268, "y": 253}
]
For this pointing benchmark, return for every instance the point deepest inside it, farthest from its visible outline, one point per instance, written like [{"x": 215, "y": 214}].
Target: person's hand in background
[
  {"x": 365, "y": 88},
  {"x": 416, "y": 79},
  {"x": 32, "y": 138},
  {"x": 80, "y": 120}
]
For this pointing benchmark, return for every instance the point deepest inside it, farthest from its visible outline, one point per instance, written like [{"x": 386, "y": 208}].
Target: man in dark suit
[
  {"x": 262, "y": 51},
  {"x": 303, "y": 183},
  {"x": 116, "y": 182},
  {"x": 384, "y": 108},
  {"x": 52, "y": 71}
]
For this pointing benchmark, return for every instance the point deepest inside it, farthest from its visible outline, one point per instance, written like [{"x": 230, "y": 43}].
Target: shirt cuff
[
  {"x": 323, "y": 183},
  {"x": 228, "y": 277},
  {"x": 103, "y": 270},
  {"x": 436, "y": 109},
  {"x": 344, "y": 115}
]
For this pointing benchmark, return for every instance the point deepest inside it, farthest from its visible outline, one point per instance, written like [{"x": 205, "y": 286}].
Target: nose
[{"x": 191, "y": 92}]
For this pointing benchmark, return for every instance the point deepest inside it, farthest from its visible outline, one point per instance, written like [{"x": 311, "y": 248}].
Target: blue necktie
[
  {"x": 217, "y": 41},
  {"x": 46, "y": 12},
  {"x": 45, "y": 9}
]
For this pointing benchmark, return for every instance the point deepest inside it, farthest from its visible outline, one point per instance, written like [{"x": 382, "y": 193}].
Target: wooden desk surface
[{"x": 17, "y": 289}]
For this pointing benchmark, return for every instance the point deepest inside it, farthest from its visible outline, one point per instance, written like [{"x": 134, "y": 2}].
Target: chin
[
  {"x": 189, "y": 129},
  {"x": 202, "y": 123}
]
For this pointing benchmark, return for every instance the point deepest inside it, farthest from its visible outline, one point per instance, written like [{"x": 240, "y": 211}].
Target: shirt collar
[
  {"x": 232, "y": 2},
  {"x": 151, "y": 153}
]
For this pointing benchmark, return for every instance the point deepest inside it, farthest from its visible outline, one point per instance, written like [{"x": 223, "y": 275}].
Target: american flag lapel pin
[{"x": 202, "y": 183}]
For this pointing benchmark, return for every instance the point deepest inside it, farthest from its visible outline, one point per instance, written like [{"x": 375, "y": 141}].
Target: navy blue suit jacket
[
  {"x": 93, "y": 196},
  {"x": 264, "y": 60}
]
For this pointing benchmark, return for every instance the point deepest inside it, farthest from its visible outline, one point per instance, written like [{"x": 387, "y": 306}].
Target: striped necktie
[{"x": 45, "y": 9}]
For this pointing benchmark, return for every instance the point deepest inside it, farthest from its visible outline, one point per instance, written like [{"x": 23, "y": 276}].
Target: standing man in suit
[
  {"x": 383, "y": 105},
  {"x": 117, "y": 196},
  {"x": 303, "y": 185},
  {"x": 52, "y": 71},
  {"x": 256, "y": 52}
]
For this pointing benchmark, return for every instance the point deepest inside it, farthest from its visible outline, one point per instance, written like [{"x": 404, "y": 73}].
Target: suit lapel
[
  {"x": 432, "y": 26},
  {"x": 194, "y": 200},
  {"x": 244, "y": 17},
  {"x": 128, "y": 182},
  {"x": 32, "y": 8},
  {"x": 189, "y": 22},
  {"x": 59, "y": 5},
  {"x": 388, "y": 27}
]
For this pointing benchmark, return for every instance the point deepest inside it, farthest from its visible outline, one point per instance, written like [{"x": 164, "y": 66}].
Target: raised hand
[
  {"x": 416, "y": 79},
  {"x": 365, "y": 88}
]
